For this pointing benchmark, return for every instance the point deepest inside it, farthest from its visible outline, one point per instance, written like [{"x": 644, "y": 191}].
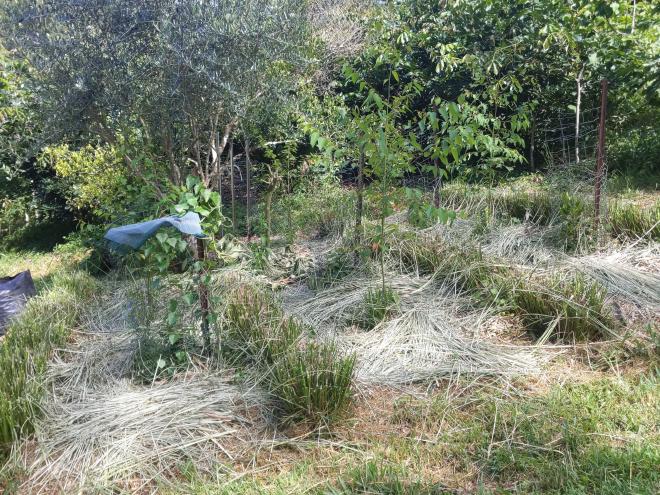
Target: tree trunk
[
  {"x": 359, "y": 201},
  {"x": 532, "y": 146},
  {"x": 578, "y": 102},
  {"x": 247, "y": 179},
  {"x": 231, "y": 186},
  {"x": 203, "y": 297},
  {"x": 268, "y": 207},
  {"x": 438, "y": 183}
]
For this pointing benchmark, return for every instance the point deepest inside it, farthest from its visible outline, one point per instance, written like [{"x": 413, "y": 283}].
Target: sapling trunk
[
  {"x": 578, "y": 102},
  {"x": 203, "y": 292},
  {"x": 268, "y": 208},
  {"x": 247, "y": 178},
  {"x": 231, "y": 180},
  {"x": 359, "y": 201}
]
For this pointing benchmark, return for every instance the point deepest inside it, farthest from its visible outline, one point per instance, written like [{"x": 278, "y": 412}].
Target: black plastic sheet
[{"x": 14, "y": 293}]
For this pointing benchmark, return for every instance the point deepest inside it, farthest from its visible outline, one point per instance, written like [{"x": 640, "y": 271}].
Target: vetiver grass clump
[
  {"x": 311, "y": 382},
  {"x": 25, "y": 350},
  {"x": 632, "y": 221},
  {"x": 574, "y": 308},
  {"x": 314, "y": 383},
  {"x": 378, "y": 304},
  {"x": 256, "y": 330}
]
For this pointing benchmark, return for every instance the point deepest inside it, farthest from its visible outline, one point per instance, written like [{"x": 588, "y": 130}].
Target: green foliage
[
  {"x": 196, "y": 197},
  {"x": 423, "y": 213},
  {"x": 313, "y": 384},
  {"x": 573, "y": 309},
  {"x": 319, "y": 207},
  {"x": 378, "y": 304},
  {"x": 24, "y": 352},
  {"x": 575, "y": 220},
  {"x": 632, "y": 221},
  {"x": 93, "y": 178}
]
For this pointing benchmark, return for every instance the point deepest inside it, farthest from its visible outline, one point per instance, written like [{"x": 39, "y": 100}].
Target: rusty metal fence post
[{"x": 600, "y": 154}]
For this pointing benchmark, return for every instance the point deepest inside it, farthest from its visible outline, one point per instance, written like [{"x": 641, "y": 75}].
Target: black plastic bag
[{"x": 14, "y": 293}]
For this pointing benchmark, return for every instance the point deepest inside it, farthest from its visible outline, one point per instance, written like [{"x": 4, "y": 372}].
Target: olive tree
[{"x": 165, "y": 81}]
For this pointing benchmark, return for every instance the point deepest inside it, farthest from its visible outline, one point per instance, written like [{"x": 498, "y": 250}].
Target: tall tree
[{"x": 173, "y": 78}]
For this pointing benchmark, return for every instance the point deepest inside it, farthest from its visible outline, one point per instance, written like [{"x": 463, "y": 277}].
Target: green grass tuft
[
  {"x": 382, "y": 479},
  {"x": 575, "y": 307},
  {"x": 378, "y": 304},
  {"x": 255, "y": 328},
  {"x": 313, "y": 384},
  {"x": 631, "y": 221}
]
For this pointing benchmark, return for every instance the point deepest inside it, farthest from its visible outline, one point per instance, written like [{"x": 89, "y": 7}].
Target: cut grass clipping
[
  {"x": 26, "y": 348},
  {"x": 312, "y": 382}
]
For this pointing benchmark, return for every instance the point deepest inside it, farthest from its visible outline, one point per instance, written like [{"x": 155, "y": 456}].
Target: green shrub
[
  {"x": 313, "y": 384},
  {"x": 255, "y": 329},
  {"x": 378, "y": 304},
  {"x": 27, "y": 346},
  {"x": 632, "y": 221},
  {"x": 577, "y": 305}
]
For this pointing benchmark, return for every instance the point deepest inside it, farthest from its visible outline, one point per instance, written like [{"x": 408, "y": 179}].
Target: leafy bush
[
  {"x": 421, "y": 211},
  {"x": 632, "y": 221},
  {"x": 313, "y": 384},
  {"x": 576, "y": 307},
  {"x": 25, "y": 350}
]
